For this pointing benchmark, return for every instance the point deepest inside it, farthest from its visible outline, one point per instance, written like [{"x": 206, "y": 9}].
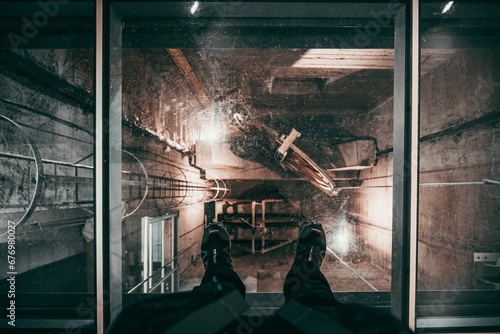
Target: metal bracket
[
  {"x": 287, "y": 142},
  {"x": 486, "y": 257}
]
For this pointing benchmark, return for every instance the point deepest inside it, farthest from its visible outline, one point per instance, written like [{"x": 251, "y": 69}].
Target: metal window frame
[
  {"x": 405, "y": 163},
  {"x": 108, "y": 103},
  {"x": 405, "y": 189},
  {"x": 108, "y": 230}
]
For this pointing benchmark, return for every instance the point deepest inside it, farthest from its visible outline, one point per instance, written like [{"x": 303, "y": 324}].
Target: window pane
[
  {"x": 206, "y": 98},
  {"x": 46, "y": 163},
  {"x": 458, "y": 249}
]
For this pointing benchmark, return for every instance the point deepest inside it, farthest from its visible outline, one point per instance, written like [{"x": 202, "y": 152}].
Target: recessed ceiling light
[
  {"x": 447, "y": 7},
  {"x": 194, "y": 7}
]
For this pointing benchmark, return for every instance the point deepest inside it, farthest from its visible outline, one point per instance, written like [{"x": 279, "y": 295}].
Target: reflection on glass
[
  {"x": 459, "y": 249},
  {"x": 263, "y": 140},
  {"x": 46, "y": 164},
  {"x": 47, "y": 148},
  {"x": 46, "y": 182}
]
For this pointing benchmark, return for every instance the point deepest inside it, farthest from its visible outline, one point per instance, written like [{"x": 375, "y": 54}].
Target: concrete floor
[{"x": 266, "y": 272}]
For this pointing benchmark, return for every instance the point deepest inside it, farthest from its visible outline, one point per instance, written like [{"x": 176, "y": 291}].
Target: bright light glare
[
  {"x": 212, "y": 134},
  {"x": 194, "y": 8},
  {"x": 447, "y": 7},
  {"x": 342, "y": 241}
]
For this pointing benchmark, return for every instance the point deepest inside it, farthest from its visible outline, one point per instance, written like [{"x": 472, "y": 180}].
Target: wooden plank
[
  {"x": 302, "y": 72},
  {"x": 186, "y": 69},
  {"x": 345, "y": 63}
]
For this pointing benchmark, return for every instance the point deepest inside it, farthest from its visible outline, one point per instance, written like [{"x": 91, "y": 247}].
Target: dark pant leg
[
  {"x": 306, "y": 284},
  {"x": 222, "y": 277}
]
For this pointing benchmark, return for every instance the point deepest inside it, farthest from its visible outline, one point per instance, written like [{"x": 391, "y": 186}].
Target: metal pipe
[
  {"x": 492, "y": 182},
  {"x": 439, "y": 184},
  {"x": 64, "y": 225},
  {"x": 46, "y": 161}
]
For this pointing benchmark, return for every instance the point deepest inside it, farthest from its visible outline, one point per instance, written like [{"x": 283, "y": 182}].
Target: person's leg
[
  {"x": 306, "y": 285},
  {"x": 216, "y": 254},
  {"x": 305, "y": 282}
]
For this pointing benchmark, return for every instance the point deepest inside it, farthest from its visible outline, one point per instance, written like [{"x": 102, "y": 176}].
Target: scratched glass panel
[
  {"x": 459, "y": 234},
  {"x": 46, "y": 163},
  {"x": 263, "y": 116}
]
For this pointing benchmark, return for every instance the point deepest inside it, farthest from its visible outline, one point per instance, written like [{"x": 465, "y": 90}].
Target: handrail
[
  {"x": 154, "y": 273},
  {"x": 167, "y": 275}
]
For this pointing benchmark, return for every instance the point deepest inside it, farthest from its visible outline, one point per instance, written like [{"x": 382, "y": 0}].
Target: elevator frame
[
  {"x": 109, "y": 44},
  {"x": 107, "y": 103}
]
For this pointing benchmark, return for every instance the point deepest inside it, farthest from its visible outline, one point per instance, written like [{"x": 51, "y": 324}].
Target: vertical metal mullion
[
  {"x": 173, "y": 264},
  {"x": 56, "y": 184},
  {"x": 99, "y": 167},
  {"x": 415, "y": 162},
  {"x": 150, "y": 256},
  {"x": 76, "y": 185},
  {"x": 253, "y": 226},
  {"x": 405, "y": 163},
  {"x": 115, "y": 237},
  {"x": 29, "y": 179},
  {"x": 175, "y": 238},
  {"x": 263, "y": 240},
  {"x": 108, "y": 164},
  {"x": 144, "y": 247},
  {"x": 401, "y": 104},
  {"x": 162, "y": 288}
]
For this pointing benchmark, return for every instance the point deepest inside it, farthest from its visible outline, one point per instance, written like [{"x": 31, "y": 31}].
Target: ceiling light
[
  {"x": 447, "y": 7},
  {"x": 194, "y": 8}
]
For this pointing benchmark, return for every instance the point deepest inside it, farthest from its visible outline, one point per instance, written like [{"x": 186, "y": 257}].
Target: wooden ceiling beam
[
  {"x": 186, "y": 69},
  {"x": 303, "y": 72}
]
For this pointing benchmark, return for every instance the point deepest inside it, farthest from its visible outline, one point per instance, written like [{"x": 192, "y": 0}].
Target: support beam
[
  {"x": 405, "y": 179},
  {"x": 108, "y": 232},
  {"x": 198, "y": 89},
  {"x": 301, "y": 72}
]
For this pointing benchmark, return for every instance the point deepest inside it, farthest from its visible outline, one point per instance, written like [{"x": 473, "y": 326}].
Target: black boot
[
  {"x": 216, "y": 255},
  {"x": 305, "y": 282},
  {"x": 311, "y": 245},
  {"x": 215, "y": 245}
]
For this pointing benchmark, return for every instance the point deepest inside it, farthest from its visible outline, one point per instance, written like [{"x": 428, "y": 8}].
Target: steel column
[
  {"x": 108, "y": 164},
  {"x": 405, "y": 163}
]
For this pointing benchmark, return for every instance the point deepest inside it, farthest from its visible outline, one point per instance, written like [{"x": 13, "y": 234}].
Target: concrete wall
[
  {"x": 459, "y": 131},
  {"x": 47, "y": 99},
  {"x": 456, "y": 221},
  {"x": 62, "y": 128},
  {"x": 369, "y": 208},
  {"x": 161, "y": 101}
]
